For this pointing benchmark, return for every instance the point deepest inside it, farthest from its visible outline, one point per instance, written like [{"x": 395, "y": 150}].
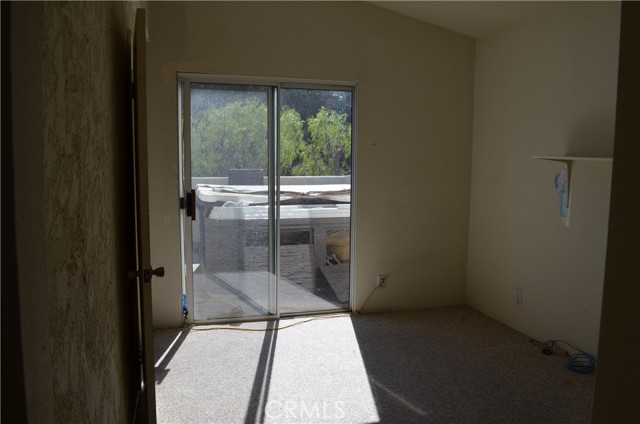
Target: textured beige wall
[
  {"x": 547, "y": 86},
  {"x": 76, "y": 304},
  {"x": 415, "y": 85}
]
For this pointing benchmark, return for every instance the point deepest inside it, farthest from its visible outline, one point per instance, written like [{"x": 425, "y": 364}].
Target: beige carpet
[{"x": 448, "y": 365}]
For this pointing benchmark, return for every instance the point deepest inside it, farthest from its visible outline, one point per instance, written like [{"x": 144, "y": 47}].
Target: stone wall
[
  {"x": 227, "y": 247},
  {"x": 241, "y": 245}
]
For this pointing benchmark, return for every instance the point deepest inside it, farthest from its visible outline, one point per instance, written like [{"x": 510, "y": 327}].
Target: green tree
[
  {"x": 228, "y": 137},
  {"x": 328, "y": 150},
  {"x": 236, "y": 136},
  {"x": 291, "y": 139},
  {"x": 309, "y": 101}
]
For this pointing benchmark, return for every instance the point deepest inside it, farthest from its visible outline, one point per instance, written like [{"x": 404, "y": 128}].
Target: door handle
[
  {"x": 147, "y": 274},
  {"x": 191, "y": 204}
]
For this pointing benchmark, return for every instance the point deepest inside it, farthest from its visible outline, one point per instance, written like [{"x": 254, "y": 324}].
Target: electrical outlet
[
  {"x": 518, "y": 296},
  {"x": 382, "y": 281}
]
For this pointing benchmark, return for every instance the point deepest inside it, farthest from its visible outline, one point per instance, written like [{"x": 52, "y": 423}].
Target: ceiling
[{"x": 472, "y": 18}]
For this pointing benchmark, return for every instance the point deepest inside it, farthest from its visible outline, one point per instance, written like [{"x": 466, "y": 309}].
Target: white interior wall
[
  {"x": 415, "y": 82},
  {"x": 546, "y": 86}
]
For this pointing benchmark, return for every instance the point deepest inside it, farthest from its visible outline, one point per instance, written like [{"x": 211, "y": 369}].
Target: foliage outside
[{"x": 235, "y": 136}]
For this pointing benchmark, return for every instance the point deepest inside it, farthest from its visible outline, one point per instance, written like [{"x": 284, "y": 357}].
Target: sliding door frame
[
  {"x": 184, "y": 81},
  {"x": 184, "y": 158}
]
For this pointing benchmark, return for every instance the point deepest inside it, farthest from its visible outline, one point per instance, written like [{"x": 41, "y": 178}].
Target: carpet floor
[{"x": 445, "y": 365}]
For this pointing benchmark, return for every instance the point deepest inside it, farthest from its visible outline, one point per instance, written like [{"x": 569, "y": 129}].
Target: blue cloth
[{"x": 561, "y": 181}]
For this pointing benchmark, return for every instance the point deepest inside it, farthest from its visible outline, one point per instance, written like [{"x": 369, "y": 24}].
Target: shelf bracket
[
  {"x": 569, "y": 164},
  {"x": 568, "y": 161}
]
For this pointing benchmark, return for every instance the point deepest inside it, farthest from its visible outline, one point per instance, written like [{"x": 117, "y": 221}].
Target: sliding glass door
[
  {"x": 315, "y": 199},
  {"x": 266, "y": 198}
]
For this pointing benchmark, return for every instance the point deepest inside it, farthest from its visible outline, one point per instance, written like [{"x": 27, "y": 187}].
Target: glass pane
[
  {"x": 229, "y": 170},
  {"x": 315, "y": 199}
]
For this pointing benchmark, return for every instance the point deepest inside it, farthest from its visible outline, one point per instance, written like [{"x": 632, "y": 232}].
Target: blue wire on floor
[
  {"x": 185, "y": 308},
  {"x": 581, "y": 362}
]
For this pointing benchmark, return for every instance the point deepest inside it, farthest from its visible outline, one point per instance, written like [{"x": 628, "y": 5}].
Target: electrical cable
[
  {"x": 580, "y": 362},
  {"x": 359, "y": 311},
  {"x": 269, "y": 329},
  {"x": 193, "y": 327}
]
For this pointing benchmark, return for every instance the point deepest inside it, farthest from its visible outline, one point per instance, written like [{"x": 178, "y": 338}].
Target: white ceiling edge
[{"x": 472, "y": 18}]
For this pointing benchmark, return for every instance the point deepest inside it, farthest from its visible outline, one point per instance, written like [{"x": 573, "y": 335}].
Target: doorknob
[{"x": 147, "y": 274}]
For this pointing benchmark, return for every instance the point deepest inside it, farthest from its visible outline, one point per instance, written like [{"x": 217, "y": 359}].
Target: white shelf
[
  {"x": 568, "y": 161},
  {"x": 572, "y": 158}
]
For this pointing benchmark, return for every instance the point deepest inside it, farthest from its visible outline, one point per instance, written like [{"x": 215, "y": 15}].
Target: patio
[{"x": 231, "y": 271}]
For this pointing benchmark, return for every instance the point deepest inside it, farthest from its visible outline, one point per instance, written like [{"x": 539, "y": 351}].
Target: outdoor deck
[{"x": 231, "y": 246}]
